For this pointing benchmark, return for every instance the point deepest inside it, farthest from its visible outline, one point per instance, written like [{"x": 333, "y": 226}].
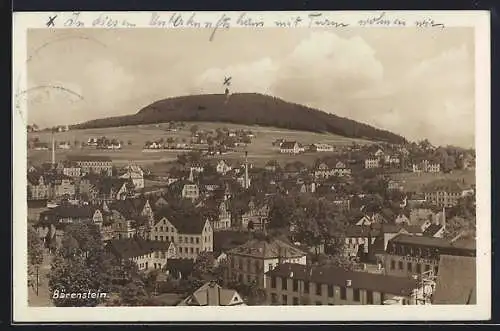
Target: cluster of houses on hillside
[
  {"x": 373, "y": 157},
  {"x": 88, "y": 178},
  {"x": 400, "y": 259},
  {"x": 104, "y": 143},
  {"x": 212, "y": 140}
]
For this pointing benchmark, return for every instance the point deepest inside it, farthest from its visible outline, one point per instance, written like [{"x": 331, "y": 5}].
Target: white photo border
[{"x": 479, "y": 20}]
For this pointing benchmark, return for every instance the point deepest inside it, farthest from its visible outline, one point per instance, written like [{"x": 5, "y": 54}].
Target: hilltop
[{"x": 246, "y": 109}]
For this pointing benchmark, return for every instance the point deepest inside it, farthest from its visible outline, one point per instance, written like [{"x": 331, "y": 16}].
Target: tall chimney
[
  {"x": 246, "y": 170},
  {"x": 444, "y": 218},
  {"x": 53, "y": 149},
  {"x": 191, "y": 176}
]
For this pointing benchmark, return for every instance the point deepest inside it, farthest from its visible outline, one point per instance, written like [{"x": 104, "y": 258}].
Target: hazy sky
[{"x": 418, "y": 83}]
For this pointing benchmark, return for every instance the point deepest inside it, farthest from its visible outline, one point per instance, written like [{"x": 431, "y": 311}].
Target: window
[
  {"x": 318, "y": 303},
  {"x": 356, "y": 294},
  {"x": 156, "y": 237},
  {"x": 436, "y": 270},
  {"x": 197, "y": 250},
  {"x": 427, "y": 267},
  {"x": 419, "y": 268},
  {"x": 409, "y": 266},
  {"x": 393, "y": 264},
  {"x": 180, "y": 239},
  {"x": 249, "y": 278},
  {"x": 197, "y": 240},
  {"x": 330, "y": 291},
  {"x": 191, "y": 240},
  {"x": 400, "y": 265},
  {"x": 273, "y": 282},
  {"x": 180, "y": 249},
  {"x": 295, "y": 285},
  {"x": 161, "y": 238},
  {"x": 172, "y": 239},
  {"x": 284, "y": 283},
  {"x": 191, "y": 250},
  {"x": 161, "y": 228},
  {"x": 369, "y": 297},
  {"x": 318, "y": 289},
  {"x": 295, "y": 301},
  {"x": 270, "y": 266},
  {"x": 343, "y": 293},
  {"x": 274, "y": 298},
  {"x": 284, "y": 299}
]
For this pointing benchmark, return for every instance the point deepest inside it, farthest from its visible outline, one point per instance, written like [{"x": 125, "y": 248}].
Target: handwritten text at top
[{"x": 249, "y": 20}]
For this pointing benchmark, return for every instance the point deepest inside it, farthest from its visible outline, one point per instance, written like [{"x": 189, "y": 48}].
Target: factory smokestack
[
  {"x": 53, "y": 149},
  {"x": 246, "y": 171}
]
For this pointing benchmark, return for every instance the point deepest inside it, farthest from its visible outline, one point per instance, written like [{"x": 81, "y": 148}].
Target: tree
[
  {"x": 280, "y": 212},
  {"x": 193, "y": 129},
  {"x": 133, "y": 294},
  {"x": 210, "y": 141},
  {"x": 35, "y": 257},
  {"x": 83, "y": 264},
  {"x": 204, "y": 265},
  {"x": 246, "y": 140}
]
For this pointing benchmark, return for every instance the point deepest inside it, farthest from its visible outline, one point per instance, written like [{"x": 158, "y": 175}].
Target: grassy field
[
  {"x": 415, "y": 181},
  {"x": 259, "y": 151}
]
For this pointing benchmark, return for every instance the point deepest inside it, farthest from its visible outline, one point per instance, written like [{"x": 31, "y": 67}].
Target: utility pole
[
  {"x": 53, "y": 149},
  {"x": 246, "y": 170},
  {"x": 37, "y": 279}
]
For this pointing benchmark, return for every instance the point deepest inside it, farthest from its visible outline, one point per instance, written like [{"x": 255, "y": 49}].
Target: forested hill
[{"x": 246, "y": 109}]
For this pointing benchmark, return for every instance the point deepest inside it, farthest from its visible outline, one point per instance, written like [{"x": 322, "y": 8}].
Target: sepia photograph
[{"x": 254, "y": 166}]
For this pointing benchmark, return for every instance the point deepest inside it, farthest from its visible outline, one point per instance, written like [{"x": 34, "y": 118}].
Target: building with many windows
[
  {"x": 372, "y": 163},
  {"x": 93, "y": 164},
  {"x": 426, "y": 166},
  {"x": 249, "y": 262},
  {"x": 190, "y": 191},
  {"x": 296, "y": 284},
  {"x": 148, "y": 255},
  {"x": 408, "y": 255},
  {"x": 38, "y": 189},
  {"x": 443, "y": 193},
  {"x": 191, "y": 234}
]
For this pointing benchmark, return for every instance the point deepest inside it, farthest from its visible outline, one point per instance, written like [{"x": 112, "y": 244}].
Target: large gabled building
[
  {"x": 249, "y": 262},
  {"x": 192, "y": 234}
]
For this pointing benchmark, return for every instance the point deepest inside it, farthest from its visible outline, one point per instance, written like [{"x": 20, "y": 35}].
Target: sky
[{"x": 417, "y": 83}]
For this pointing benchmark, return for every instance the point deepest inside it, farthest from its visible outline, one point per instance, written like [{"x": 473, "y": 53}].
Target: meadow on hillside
[{"x": 259, "y": 151}]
